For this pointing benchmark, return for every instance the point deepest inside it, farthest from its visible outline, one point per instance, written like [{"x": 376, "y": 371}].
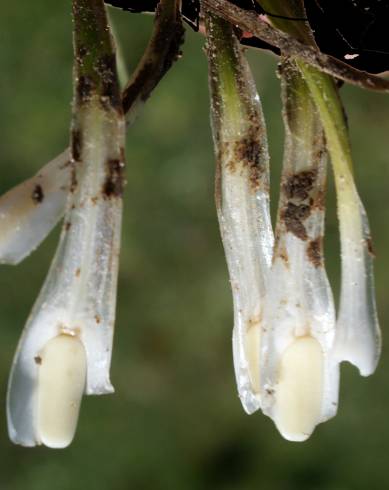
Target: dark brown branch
[
  {"x": 163, "y": 50},
  {"x": 289, "y": 46}
]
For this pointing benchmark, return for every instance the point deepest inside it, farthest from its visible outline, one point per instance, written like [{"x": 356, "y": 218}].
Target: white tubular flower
[
  {"x": 358, "y": 338},
  {"x": 29, "y": 211},
  {"x": 66, "y": 345},
  {"x": 242, "y": 197},
  {"x": 299, "y": 377}
]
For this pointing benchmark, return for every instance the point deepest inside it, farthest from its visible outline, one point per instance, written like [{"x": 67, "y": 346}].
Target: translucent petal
[
  {"x": 79, "y": 294},
  {"x": 242, "y": 197},
  {"x": 358, "y": 338},
  {"x": 299, "y": 302},
  {"x": 29, "y": 211}
]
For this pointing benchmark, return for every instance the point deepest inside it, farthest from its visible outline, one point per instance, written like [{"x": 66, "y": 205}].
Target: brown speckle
[
  {"x": 247, "y": 152},
  {"x": 298, "y": 186},
  {"x": 76, "y": 145},
  {"x": 85, "y": 86},
  {"x": 68, "y": 225},
  {"x": 37, "y": 194},
  {"x": 369, "y": 246},
  {"x": 64, "y": 165},
  {"x": 97, "y": 318},
  {"x": 314, "y": 251},
  {"x": 283, "y": 254},
  {"x": 106, "y": 66},
  {"x": 114, "y": 183},
  {"x": 293, "y": 215},
  {"x": 78, "y": 272},
  {"x": 38, "y": 360},
  {"x": 252, "y": 322},
  {"x": 73, "y": 180},
  {"x": 82, "y": 51}
]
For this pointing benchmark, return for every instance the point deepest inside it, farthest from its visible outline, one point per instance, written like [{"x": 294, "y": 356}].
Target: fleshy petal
[
  {"x": 242, "y": 197},
  {"x": 299, "y": 303},
  {"x": 29, "y": 211}
]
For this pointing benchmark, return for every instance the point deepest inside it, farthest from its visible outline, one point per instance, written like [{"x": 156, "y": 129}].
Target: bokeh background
[{"x": 175, "y": 421}]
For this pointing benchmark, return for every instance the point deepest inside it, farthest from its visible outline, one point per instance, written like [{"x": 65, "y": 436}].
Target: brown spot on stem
[
  {"x": 314, "y": 251},
  {"x": 97, "y": 318},
  {"x": 64, "y": 165},
  {"x": 68, "y": 224},
  {"x": 298, "y": 186},
  {"x": 293, "y": 216},
  {"x": 82, "y": 51},
  {"x": 369, "y": 246},
  {"x": 283, "y": 254},
  {"x": 248, "y": 152},
  {"x": 106, "y": 67},
  {"x": 78, "y": 272},
  {"x": 73, "y": 180},
  {"x": 37, "y": 194},
  {"x": 38, "y": 360},
  {"x": 85, "y": 87},
  {"x": 114, "y": 183},
  {"x": 76, "y": 145}
]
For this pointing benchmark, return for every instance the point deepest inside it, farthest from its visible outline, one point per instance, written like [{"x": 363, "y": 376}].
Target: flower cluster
[{"x": 288, "y": 341}]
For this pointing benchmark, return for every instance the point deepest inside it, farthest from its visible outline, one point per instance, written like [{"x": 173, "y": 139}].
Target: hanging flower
[
  {"x": 288, "y": 341},
  {"x": 242, "y": 197},
  {"x": 66, "y": 345},
  {"x": 300, "y": 377}
]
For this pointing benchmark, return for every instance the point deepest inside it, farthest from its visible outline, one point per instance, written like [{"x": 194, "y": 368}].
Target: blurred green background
[{"x": 175, "y": 421}]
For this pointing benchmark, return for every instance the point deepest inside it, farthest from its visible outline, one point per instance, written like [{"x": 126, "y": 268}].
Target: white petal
[
  {"x": 242, "y": 197},
  {"x": 79, "y": 294},
  {"x": 358, "y": 338},
  {"x": 29, "y": 211},
  {"x": 299, "y": 301}
]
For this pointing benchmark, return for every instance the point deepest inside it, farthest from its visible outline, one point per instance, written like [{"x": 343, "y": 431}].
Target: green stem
[
  {"x": 123, "y": 73},
  {"x": 291, "y": 13},
  {"x": 95, "y": 65},
  {"x": 323, "y": 91},
  {"x": 325, "y": 95}
]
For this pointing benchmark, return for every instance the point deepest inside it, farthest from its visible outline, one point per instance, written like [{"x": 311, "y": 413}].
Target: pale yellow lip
[
  {"x": 61, "y": 384},
  {"x": 299, "y": 396}
]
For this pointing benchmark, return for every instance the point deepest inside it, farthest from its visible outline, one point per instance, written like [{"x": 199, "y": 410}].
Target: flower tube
[
  {"x": 242, "y": 197},
  {"x": 65, "y": 349},
  {"x": 358, "y": 338},
  {"x": 299, "y": 376}
]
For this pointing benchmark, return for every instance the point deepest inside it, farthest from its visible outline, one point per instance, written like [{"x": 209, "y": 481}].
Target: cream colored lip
[
  {"x": 299, "y": 393},
  {"x": 62, "y": 369}
]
